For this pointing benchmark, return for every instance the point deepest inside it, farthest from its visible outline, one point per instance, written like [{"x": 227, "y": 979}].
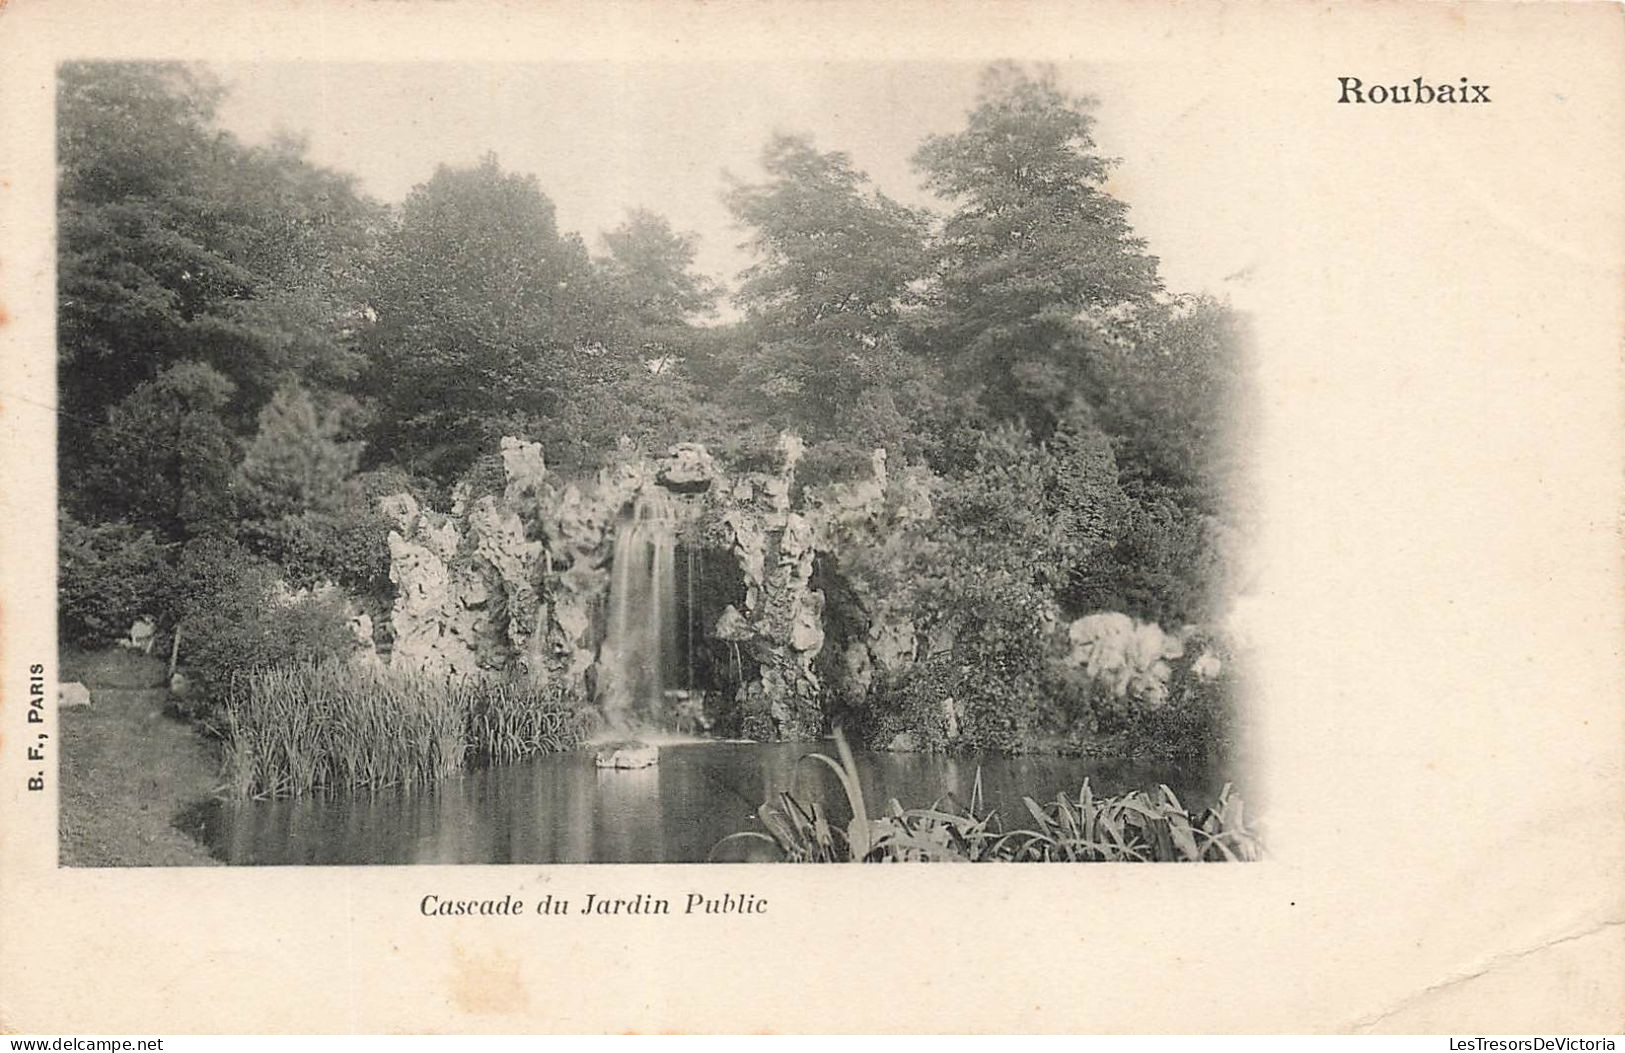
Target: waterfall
[{"x": 640, "y": 651}]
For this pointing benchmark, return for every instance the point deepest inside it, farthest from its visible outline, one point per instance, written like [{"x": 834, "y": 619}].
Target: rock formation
[
  {"x": 519, "y": 581},
  {"x": 72, "y": 694},
  {"x": 437, "y": 615}
]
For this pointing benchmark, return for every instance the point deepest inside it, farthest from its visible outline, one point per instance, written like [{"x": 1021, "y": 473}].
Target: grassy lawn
[{"x": 130, "y": 769}]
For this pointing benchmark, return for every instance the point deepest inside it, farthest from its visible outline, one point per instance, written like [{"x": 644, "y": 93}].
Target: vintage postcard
[{"x": 495, "y": 494}]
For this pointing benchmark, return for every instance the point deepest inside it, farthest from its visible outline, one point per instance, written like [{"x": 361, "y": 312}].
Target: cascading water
[{"x": 639, "y": 655}]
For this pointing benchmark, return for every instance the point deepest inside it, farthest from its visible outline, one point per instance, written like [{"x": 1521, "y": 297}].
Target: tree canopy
[
  {"x": 1034, "y": 245},
  {"x": 246, "y": 339},
  {"x": 178, "y": 242}
]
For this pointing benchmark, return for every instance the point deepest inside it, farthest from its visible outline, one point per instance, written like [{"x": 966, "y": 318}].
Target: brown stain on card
[{"x": 487, "y": 984}]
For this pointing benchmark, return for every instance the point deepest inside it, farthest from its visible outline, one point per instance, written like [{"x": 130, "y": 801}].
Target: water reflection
[{"x": 564, "y": 809}]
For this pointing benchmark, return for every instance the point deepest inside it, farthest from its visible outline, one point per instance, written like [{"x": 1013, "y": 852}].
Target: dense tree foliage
[
  {"x": 483, "y": 316},
  {"x": 651, "y": 279},
  {"x": 251, "y": 351},
  {"x": 839, "y": 266},
  {"x": 179, "y": 243},
  {"x": 1033, "y": 249}
]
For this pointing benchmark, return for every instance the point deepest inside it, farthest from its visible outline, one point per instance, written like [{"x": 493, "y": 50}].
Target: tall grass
[
  {"x": 292, "y": 730},
  {"x": 1135, "y": 827},
  {"x": 510, "y": 719}
]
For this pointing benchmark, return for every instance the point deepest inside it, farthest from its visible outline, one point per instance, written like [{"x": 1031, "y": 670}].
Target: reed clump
[
  {"x": 1135, "y": 827},
  {"x": 326, "y": 725},
  {"x": 511, "y": 719}
]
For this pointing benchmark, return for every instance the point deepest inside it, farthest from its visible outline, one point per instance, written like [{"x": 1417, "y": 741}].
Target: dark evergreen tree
[
  {"x": 835, "y": 270},
  {"x": 1034, "y": 245}
]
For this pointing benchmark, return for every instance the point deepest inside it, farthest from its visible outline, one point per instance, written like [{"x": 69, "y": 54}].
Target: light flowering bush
[{"x": 1125, "y": 657}]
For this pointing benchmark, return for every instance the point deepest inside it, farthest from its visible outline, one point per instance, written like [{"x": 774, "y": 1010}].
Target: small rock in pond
[
  {"x": 628, "y": 755},
  {"x": 72, "y": 694}
]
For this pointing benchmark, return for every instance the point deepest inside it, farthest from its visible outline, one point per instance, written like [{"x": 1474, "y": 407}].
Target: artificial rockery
[{"x": 518, "y": 582}]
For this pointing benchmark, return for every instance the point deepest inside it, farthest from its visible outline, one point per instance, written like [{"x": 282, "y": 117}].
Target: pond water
[{"x": 561, "y": 808}]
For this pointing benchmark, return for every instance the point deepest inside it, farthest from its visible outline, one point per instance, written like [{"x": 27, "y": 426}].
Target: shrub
[
  {"x": 1167, "y": 564},
  {"x": 981, "y": 583},
  {"x": 309, "y": 511},
  {"x": 995, "y": 695},
  {"x": 163, "y": 458},
  {"x": 1196, "y": 720},
  {"x": 910, "y": 707},
  {"x": 350, "y": 548},
  {"x": 108, "y": 575},
  {"x": 485, "y": 476},
  {"x": 236, "y": 614},
  {"x": 388, "y": 480}
]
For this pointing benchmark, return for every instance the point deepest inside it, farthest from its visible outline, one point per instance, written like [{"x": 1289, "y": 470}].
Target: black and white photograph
[{"x": 613, "y": 464}]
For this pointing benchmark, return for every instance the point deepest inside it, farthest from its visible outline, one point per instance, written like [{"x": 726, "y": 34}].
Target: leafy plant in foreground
[{"x": 1132, "y": 828}]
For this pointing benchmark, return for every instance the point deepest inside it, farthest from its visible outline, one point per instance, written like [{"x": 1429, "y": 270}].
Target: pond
[{"x": 561, "y": 808}]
